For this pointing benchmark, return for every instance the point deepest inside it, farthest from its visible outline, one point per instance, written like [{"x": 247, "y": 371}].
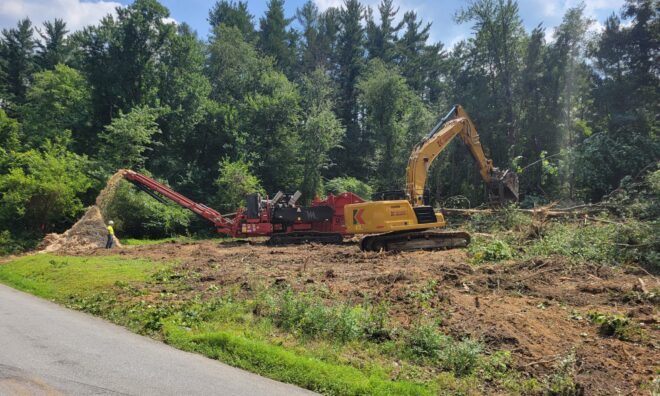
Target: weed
[
  {"x": 461, "y": 357},
  {"x": 449, "y": 384},
  {"x": 376, "y": 326},
  {"x": 483, "y": 250},
  {"x": 425, "y": 342},
  {"x": 652, "y": 296},
  {"x": 561, "y": 382},
  {"x": 498, "y": 368},
  {"x": 427, "y": 292},
  {"x": 616, "y": 326},
  {"x": 58, "y": 264},
  {"x": 310, "y": 319}
]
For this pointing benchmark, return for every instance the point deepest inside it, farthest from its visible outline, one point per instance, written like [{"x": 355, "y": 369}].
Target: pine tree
[
  {"x": 422, "y": 64},
  {"x": 350, "y": 62},
  {"x": 53, "y": 47},
  {"x": 236, "y": 14},
  {"x": 17, "y": 53},
  {"x": 381, "y": 38},
  {"x": 274, "y": 38}
]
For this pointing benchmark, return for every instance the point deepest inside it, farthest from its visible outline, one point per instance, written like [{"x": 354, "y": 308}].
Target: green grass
[
  {"x": 281, "y": 364},
  {"x": 58, "y": 277}
]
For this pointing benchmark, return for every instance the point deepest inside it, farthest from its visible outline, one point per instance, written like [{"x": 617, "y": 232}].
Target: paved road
[{"x": 49, "y": 350}]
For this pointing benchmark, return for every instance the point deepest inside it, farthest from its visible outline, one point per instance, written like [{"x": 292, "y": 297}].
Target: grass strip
[
  {"x": 59, "y": 277},
  {"x": 278, "y": 363}
]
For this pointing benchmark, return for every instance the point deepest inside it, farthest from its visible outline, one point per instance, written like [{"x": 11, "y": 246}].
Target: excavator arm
[{"x": 501, "y": 185}]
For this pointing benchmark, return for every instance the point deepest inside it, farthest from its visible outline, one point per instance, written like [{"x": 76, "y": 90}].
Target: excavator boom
[{"x": 501, "y": 185}]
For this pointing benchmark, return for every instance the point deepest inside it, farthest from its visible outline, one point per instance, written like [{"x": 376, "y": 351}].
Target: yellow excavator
[{"x": 410, "y": 223}]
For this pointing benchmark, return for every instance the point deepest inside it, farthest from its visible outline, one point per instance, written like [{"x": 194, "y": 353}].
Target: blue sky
[{"x": 79, "y": 13}]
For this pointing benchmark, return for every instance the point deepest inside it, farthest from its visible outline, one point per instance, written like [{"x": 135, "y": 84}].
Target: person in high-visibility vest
[{"x": 111, "y": 235}]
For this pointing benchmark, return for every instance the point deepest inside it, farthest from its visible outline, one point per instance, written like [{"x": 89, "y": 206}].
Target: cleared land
[{"x": 341, "y": 321}]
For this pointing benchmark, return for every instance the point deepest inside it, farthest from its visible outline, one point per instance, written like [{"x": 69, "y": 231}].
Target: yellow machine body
[{"x": 385, "y": 216}]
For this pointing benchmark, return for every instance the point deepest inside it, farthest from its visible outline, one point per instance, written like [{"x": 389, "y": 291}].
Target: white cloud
[
  {"x": 76, "y": 13},
  {"x": 325, "y": 4},
  {"x": 170, "y": 20}
]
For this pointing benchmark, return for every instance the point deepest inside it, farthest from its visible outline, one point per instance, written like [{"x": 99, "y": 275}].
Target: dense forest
[{"x": 332, "y": 104}]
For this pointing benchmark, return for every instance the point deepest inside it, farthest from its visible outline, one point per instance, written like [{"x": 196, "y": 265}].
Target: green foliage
[
  {"x": 616, "y": 326},
  {"x": 9, "y": 136},
  {"x": 41, "y": 190},
  {"x": 386, "y": 99},
  {"x": 138, "y": 215},
  {"x": 592, "y": 242},
  {"x": 339, "y": 185},
  {"x": 274, "y": 38},
  {"x": 127, "y": 139},
  {"x": 487, "y": 250},
  {"x": 233, "y": 14},
  {"x": 9, "y": 245},
  {"x": 121, "y": 56},
  {"x": 234, "y": 183},
  {"x": 54, "y": 47},
  {"x": 425, "y": 342},
  {"x": 279, "y": 363},
  {"x": 58, "y": 101},
  {"x": 562, "y": 382},
  {"x": 303, "y": 316},
  {"x": 320, "y": 131},
  {"x": 271, "y": 117},
  {"x": 18, "y": 61}
]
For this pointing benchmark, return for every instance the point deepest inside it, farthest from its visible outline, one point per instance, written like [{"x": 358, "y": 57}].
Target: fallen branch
[{"x": 541, "y": 362}]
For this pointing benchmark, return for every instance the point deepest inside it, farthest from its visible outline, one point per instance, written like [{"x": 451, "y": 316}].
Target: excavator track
[
  {"x": 298, "y": 238},
  {"x": 401, "y": 241}
]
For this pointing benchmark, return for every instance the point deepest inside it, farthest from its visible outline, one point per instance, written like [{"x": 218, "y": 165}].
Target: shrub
[
  {"x": 348, "y": 184},
  {"x": 425, "y": 342},
  {"x": 8, "y": 245},
  {"x": 616, "y": 326},
  {"x": 461, "y": 357},
  {"x": 561, "y": 381},
  {"x": 138, "y": 215},
  {"x": 234, "y": 183},
  {"x": 490, "y": 250},
  {"x": 41, "y": 190}
]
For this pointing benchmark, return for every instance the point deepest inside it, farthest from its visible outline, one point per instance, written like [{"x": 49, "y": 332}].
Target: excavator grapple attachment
[{"x": 503, "y": 187}]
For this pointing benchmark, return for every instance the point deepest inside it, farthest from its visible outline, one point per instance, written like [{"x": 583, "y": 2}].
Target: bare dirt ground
[{"x": 536, "y": 309}]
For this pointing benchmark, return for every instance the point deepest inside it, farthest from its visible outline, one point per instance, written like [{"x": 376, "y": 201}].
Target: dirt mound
[{"x": 87, "y": 234}]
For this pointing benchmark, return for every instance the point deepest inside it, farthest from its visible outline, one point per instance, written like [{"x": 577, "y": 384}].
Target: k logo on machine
[{"x": 357, "y": 216}]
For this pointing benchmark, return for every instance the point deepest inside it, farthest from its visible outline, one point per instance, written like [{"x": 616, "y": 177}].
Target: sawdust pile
[
  {"x": 105, "y": 196},
  {"x": 90, "y": 231}
]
